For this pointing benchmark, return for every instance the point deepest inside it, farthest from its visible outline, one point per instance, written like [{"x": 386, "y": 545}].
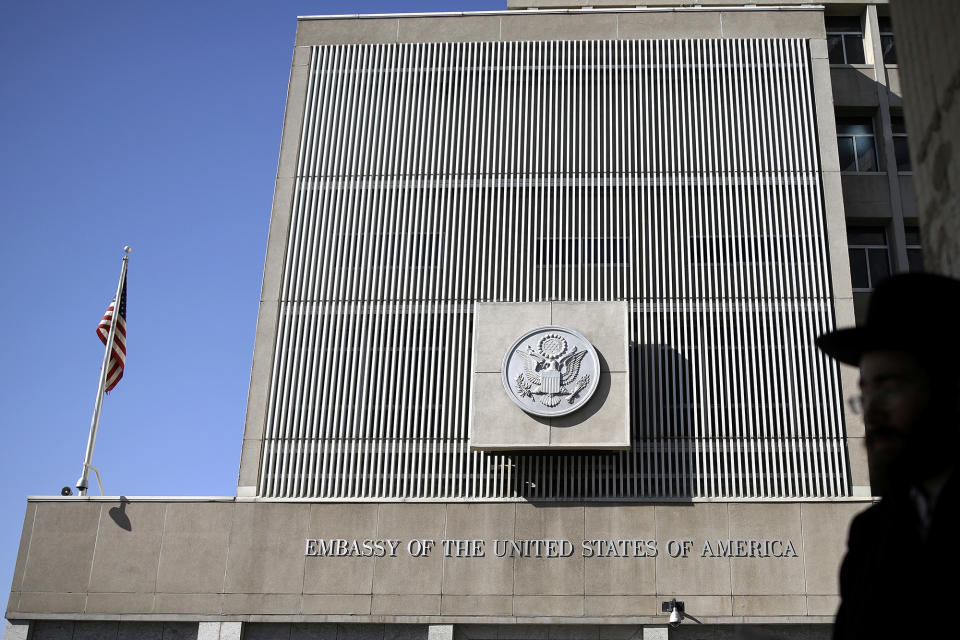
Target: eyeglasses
[
  {"x": 881, "y": 395},
  {"x": 856, "y": 404}
]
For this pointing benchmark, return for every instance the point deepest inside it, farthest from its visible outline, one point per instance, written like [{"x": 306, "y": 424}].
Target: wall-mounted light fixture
[{"x": 675, "y": 607}]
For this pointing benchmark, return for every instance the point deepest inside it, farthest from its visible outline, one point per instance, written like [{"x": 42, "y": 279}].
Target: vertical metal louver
[{"x": 681, "y": 176}]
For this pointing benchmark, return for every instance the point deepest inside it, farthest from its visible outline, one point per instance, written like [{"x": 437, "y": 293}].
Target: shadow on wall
[
  {"x": 593, "y": 405},
  {"x": 660, "y": 462},
  {"x": 751, "y": 632},
  {"x": 662, "y": 419},
  {"x": 119, "y": 515}
]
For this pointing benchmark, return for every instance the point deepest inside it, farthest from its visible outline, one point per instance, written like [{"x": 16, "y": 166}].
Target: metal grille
[{"x": 680, "y": 176}]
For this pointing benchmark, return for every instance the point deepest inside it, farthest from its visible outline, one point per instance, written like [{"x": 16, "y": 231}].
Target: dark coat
[{"x": 895, "y": 582}]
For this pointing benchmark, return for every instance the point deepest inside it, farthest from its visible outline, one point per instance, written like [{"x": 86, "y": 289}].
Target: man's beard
[{"x": 925, "y": 451}]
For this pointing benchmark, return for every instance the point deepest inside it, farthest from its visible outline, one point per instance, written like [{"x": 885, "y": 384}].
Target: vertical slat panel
[{"x": 679, "y": 176}]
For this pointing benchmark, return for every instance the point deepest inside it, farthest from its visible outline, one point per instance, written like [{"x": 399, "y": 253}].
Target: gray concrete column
[
  {"x": 656, "y": 632},
  {"x": 836, "y": 228},
  {"x": 17, "y": 630},
  {"x": 897, "y": 239},
  {"x": 440, "y": 632},
  {"x": 219, "y": 630},
  {"x": 269, "y": 313}
]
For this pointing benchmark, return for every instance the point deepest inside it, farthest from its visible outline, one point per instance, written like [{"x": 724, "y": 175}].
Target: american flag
[{"x": 118, "y": 354}]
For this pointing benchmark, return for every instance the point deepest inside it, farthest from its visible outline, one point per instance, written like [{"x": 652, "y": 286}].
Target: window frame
[
  {"x": 900, "y": 138},
  {"x": 885, "y": 27},
  {"x": 845, "y": 33},
  {"x": 865, "y": 248},
  {"x": 853, "y": 137},
  {"x": 913, "y": 248}
]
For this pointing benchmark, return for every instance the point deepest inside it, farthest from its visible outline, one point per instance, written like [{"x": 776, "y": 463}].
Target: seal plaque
[{"x": 551, "y": 371}]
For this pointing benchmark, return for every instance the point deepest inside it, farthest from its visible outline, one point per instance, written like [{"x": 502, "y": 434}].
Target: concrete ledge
[{"x": 564, "y": 24}]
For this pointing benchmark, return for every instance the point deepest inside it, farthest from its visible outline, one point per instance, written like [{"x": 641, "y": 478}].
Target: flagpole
[{"x": 95, "y": 421}]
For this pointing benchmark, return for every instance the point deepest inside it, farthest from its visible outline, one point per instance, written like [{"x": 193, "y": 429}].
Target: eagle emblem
[{"x": 549, "y": 375}]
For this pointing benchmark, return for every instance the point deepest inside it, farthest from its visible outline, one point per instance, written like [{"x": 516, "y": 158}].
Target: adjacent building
[{"x": 535, "y": 345}]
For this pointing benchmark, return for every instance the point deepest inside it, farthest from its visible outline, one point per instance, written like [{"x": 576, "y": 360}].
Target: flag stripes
[{"x": 118, "y": 353}]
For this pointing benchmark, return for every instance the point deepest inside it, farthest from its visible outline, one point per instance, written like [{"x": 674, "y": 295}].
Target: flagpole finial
[{"x": 127, "y": 249}]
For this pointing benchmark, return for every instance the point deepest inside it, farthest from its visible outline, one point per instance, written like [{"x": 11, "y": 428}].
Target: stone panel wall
[{"x": 233, "y": 559}]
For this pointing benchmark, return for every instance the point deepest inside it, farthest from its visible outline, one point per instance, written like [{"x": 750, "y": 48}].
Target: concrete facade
[
  {"x": 559, "y": 26},
  {"x": 327, "y": 552}
]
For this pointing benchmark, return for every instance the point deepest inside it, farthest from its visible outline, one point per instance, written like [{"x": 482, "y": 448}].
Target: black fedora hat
[{"x": 913, "y": 312}]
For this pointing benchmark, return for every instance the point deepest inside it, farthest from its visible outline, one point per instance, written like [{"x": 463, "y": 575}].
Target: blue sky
[{"x": 153, "y": 124}]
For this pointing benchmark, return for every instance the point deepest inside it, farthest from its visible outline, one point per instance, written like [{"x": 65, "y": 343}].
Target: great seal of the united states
[{"x": 551, "y": 371}]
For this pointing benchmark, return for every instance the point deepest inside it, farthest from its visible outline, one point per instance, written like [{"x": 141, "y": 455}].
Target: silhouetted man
[{"x": 901, "y": 573}]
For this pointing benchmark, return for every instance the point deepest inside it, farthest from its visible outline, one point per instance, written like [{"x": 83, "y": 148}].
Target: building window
[
  {"x": 869, "y": 256},
  {"x": 914, "y": 250},
  {"x": 900, "y": 143},
  {"x": 856, "y": 144},
  {"x": 844, "y": 40},
  {"x": 886, "y": 41}
]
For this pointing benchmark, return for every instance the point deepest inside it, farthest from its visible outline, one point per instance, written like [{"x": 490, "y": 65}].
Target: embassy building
[{"x": 535, "y": 350}]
